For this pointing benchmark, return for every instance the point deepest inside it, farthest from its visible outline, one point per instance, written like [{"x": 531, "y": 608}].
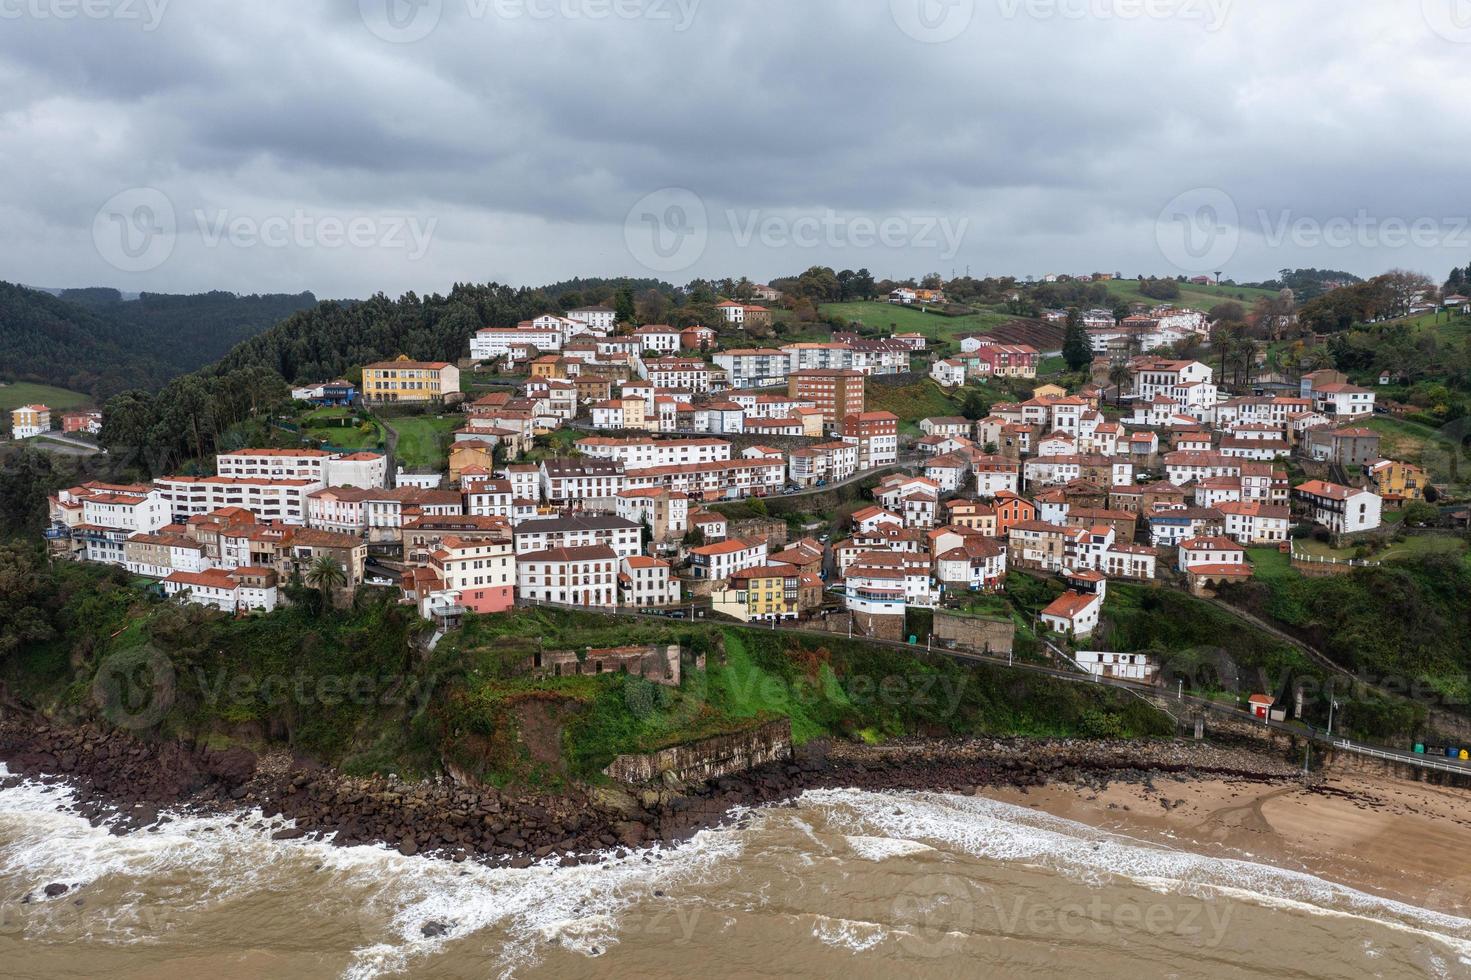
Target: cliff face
[{"x": 708, "y": 758}]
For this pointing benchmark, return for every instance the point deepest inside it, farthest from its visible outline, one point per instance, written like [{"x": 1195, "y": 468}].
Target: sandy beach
[{"x": 1404, "y": 840}]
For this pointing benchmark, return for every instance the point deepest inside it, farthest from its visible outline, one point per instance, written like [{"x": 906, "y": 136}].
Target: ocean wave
[
  {"x": 193, "y": 863},
  {"x": 1002, "y": 832},
  {"x": 882, "y": 848}
]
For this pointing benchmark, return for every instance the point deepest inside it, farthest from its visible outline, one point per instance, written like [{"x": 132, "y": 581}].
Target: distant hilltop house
[
  {"x": 403, "y": 380},
  {"x": 30, "y": 421},
  {"x": 765, "y": 293},
  {"x": 327, "y": 394},
  {"x": 88, "y": 421},
  {"x": 904, "y": 296},
  {"x": 743, "y": 314},
  {"x": 599, "y": 319}
]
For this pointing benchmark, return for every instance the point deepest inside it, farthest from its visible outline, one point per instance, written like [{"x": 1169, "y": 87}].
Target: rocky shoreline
[{"x": 129, "y": 784}]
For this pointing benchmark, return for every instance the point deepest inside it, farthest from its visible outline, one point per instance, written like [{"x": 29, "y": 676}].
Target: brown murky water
[{"x": 845, "y": 882}]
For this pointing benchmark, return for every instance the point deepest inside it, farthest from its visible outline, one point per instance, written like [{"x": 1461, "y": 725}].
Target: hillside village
[{"x": 594, "y": 464}]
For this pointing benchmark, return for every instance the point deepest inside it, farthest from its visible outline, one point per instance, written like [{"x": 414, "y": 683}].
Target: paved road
[{"x": 66, "y": 444}]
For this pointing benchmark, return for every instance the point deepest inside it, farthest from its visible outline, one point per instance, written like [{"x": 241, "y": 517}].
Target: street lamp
[{"x": 1332, "y": 703}]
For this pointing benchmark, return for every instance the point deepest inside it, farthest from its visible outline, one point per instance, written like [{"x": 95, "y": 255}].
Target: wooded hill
[{"x": 94, "y": 341}]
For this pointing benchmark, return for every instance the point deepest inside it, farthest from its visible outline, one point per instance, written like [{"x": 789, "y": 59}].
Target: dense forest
[
  {"x": 331, "y": 339},
  {"x": 94, "y": 341}
]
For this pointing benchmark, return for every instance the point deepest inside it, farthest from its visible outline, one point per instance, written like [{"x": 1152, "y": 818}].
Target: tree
[
  {"x": 1230, "y": 310},
  {"x": 652, "y": 307},
  {"x": 1418, "y": 514},
  {"x": 1119, "y": 376},
  {"x": 1405, "y": 288},
  {"x": 623, "y": 305},
  {"x": 326, "y": 574},
  {"x": 1076, "y": 349},
  {"x": 1221, "y": 343}
]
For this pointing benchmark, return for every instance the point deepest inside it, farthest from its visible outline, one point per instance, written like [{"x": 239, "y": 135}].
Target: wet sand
[{"x": 1389, "y": 836}]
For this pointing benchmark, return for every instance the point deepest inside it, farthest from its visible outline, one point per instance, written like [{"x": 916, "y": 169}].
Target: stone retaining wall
[
  {"x": 708, "y": 758},
  {"x": 974, "y": 633}
]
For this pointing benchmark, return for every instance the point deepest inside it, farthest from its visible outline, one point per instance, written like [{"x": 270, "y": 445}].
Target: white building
[
  {"x": 753, "y": 368},
  {"x": 624, "y": 537},
  {"x": 949, "y": 373},
  {"x": 101, "y": 518},
  {"x": 359, "y": 469},
  {"x": 716, "y": 562},
  {"x": 242, "y": 590},
  {"x": 279, "y": 501},
  {"x": 599, "y": 319},
  {"x": 573, "y": 576},
  {"x": 1343, "y": 401},
  {"x": 647, "y": 582},
  {"x": 641, "y": 453},
  {"x": 1342, "y": 510}
]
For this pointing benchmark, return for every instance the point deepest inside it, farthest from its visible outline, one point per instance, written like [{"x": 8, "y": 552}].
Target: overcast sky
[{"x": 349, "y": 147}]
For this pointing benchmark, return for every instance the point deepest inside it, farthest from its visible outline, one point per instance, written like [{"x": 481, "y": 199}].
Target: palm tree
[
  {"x": 1118, "y": 376},
  {"x": 1221, "y": 345},
  {"x": 326, "y": 574}
]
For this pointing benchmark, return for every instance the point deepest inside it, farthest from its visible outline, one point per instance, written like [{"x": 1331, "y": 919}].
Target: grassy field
[
  {"x": 912, "y": 402},
  {"x": 25, "y": 393},
  {"x": 1270, "y": 565},
  {"x": 1436, "y": 451},
  {"x": 1193, "y": 297},
  {"x": 1413, "y": 546},
  {"x": 424, "y": 440},
  {"x": 905, "y": 319},
  {"x": 339, "y": 427}
]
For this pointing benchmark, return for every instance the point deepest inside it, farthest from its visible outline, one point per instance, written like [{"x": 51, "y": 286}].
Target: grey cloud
[{"x": 528, "y": 140}]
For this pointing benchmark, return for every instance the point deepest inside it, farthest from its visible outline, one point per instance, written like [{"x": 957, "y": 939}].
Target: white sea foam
[
  {"x": 882, "y": 848},
  {"x": 1002, "y": 832},
  {"x": 848, "y": 933},
  {"x": 193, "y": 862}
]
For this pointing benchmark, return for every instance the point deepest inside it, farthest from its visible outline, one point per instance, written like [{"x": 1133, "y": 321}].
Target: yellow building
[
  {"x": 29, "y": 420},
  {"x": 468, "y": 454},
  {"x": 1049, "y": 391},
  {"x": 1398, "y": 483},
  {"x": 403, "y": 380},
  {"x": 768, "y": 593}
]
